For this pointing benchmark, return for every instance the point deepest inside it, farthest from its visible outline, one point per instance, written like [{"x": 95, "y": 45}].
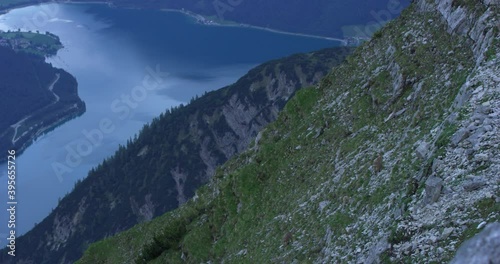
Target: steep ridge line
[
  {"x": 393, "y": 158},
  {"x": 171, "y": 157}
]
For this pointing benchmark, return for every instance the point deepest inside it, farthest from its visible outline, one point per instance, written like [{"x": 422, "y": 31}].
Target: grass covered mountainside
[
  {"x": 35, "y": 95},
  {"x": 170, "y": 158},
  {"x": 394, "y": 157}
]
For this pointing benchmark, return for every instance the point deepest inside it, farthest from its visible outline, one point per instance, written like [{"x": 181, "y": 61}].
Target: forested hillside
[
  {"x": 34, "y": 97},
  {"x": 171, "y": 157},
  {"x": 393, "y": 158},
  {"x": 24, "y": 82}
]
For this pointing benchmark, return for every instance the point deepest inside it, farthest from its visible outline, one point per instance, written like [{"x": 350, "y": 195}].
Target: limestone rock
[
  {"x": 433, "y": 187},
  {"x": 446, "y": 233},
  {"x": 422, "y": 150},
  {"x": 475, "y": 184},
  {"x": 482, "y": 248},
  {"x": 460, "y": 135}
]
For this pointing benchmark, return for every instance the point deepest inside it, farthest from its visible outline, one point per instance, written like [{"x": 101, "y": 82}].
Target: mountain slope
[
  {"x": 171, "y": 157},
  {"x": 35, "y": 98},
  {"x": 393, "y": 158}
]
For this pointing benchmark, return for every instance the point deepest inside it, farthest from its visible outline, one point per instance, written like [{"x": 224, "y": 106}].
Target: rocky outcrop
[
  {"x": 478, "y": 21},
  {"x": 433, "y": 186},
  {"x": 482, "y": 248},
  {"x": 174, "y": 155},
  {"x": 423, "y": 95}
]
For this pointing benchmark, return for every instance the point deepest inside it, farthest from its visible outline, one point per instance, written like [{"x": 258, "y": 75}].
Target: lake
[{"x": 114, "y": 54}]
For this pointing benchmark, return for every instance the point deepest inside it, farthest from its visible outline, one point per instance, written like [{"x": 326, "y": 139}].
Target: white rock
[
  {"x": 446, "y": 233},
  {"x": 481, "y": 157},
  {"x": 323, "y": 204}
]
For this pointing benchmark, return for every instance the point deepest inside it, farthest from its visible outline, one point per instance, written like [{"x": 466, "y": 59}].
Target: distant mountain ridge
[
  {"x": 171, "y": 157},
  {"x": 321, "y": 18}
]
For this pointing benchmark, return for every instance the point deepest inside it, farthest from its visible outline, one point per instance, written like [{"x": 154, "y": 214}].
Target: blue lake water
[{"x": 114, "y": 54}]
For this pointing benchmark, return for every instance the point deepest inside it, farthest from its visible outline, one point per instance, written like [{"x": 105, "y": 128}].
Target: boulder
[
  {"x": 483, "y": 248},
  {"x": 446, "y": 233},
  {"x": 433, "y": 187},
  {"x": 422, "y": 150},
  {"x": 474, "y": 184},
  {"x": 460, "y": 135}
]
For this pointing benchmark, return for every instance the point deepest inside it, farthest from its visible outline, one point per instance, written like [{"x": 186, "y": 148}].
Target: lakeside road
[{"x": 20, "y": 123}]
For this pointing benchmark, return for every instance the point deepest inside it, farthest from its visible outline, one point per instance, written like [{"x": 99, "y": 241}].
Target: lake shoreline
[
  {"x": 113, "y": 52},
  {"x": 20, "y": 135},
  {"x": 242, "y": 25},
  {"x": 27, "y": 140},
  {"x": 190, "y": 14}
]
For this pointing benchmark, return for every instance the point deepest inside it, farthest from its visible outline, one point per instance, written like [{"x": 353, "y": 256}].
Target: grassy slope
[
  {"x": 311, "y": 173},
  {"x": 174, "y": 141}
]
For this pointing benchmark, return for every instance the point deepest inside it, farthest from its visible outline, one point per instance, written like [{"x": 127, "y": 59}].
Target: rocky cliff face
[
  {"x": 482, "y": 248},
  {"x": 392, "y": 158},
  {"x": 175, "y": 154}
]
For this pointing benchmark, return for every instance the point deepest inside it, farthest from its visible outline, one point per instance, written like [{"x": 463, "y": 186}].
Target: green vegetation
[
  {"x": 361, "y": 31},
  {"x": 482, "y": 209},
  {"x": 492, "y": 51},
  {"x": 310, "y": 186},
  {"x": 470, "y": 5},
  {"x": 185, "y": 141},
  {"x": 487, "y": 206},
  {"x": 444, "y": 139},
  {"x": 25, "y": 81},
  {"x": 311, "y": 174},
  {"x": 29, "y": 42},
  {"x": 398, "y": 235}
]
